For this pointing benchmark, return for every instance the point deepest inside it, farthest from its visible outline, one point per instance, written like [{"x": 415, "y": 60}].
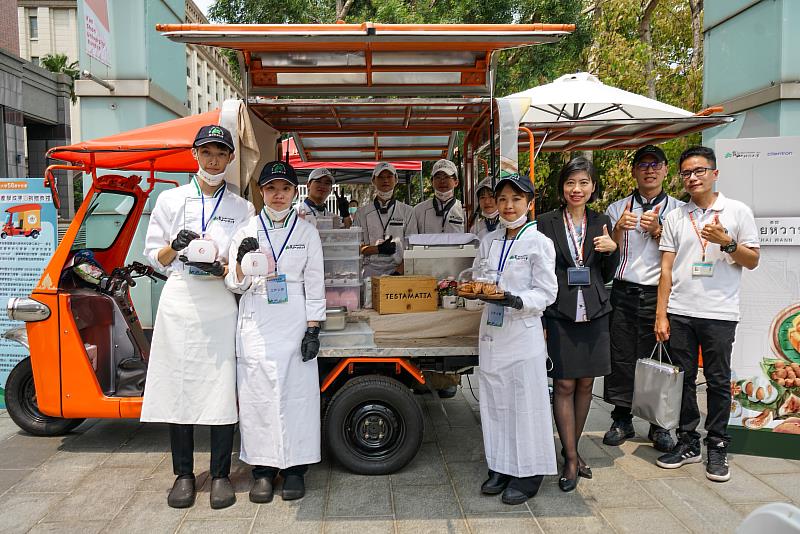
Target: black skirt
[{"x": 578, "y": 350}]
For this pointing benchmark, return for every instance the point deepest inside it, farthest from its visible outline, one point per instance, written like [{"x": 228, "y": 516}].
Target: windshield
[{"x": 104, "y": 220}]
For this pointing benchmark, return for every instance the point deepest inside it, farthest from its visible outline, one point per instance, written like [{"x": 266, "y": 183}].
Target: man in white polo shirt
[
  {"x": 705, "y": 244},
  {"x": 637, "y": 221}
]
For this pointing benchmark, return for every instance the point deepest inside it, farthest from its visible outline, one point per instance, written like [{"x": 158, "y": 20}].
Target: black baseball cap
[
  {"x": 277, "y": 170},
  {"x": 521, "y": 183},
  {"x": 213, "y": 133},
  {"x": 649, "y": 150}
]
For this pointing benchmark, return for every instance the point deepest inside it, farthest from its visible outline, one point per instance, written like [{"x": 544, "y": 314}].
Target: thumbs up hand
[
  {"x": 650, "y": 222},
  {"x": 628, "y": 220},
  {"x": 716, "y": 233},
  {"x": 604, "y": 243}
]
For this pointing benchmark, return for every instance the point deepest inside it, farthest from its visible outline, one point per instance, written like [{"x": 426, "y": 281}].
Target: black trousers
[
  {"x": 182, "y": 442},
  {"x": 632, "y": 338},
  {"x": 716, "y": 337},
  {"x": 263, "y": 471}
]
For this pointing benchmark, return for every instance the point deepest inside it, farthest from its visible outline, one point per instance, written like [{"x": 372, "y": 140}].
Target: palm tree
[{"x": 60, "y": 63}]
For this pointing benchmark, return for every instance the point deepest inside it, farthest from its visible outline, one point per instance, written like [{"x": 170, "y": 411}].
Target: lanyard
[
  {"x": 322, "y": 210},
  {"x": 703, "y": 242},
  {"x": 271, "y": 248},
  {"x": 444, "y": 209},
  {"x": 385, "y": 226},
  {"x": 573, "y": 235},
  {"x": 491, "y": 224},
  {"x": 203, "y": 222},
  {"x": 505, "y": 253}
]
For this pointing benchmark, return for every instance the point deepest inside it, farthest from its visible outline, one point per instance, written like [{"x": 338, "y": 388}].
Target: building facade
[{"x": 47, "y": 27}]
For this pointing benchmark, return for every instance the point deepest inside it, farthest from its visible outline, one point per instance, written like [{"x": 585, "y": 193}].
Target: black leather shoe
[
  {"x": 294, "y": 487},
  {"x": 520, "y": 490},
  {"x": 182, "y": 493},
  {"x": 495, "y": 484},
  {"x": 661, "y": 438},
  {"x": 514, "y": 496},
  {"x": 567, "y": 484},
  {"x": 583, "y": 470},
  {"x": 619, "y": 432},
  {"x": 262, "y": 490},
  {"x": 448, "y": 392},
  {"x": 222, "y": 494}
]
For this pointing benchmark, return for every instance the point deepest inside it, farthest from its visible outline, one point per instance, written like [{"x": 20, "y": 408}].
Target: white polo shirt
[
  {"x": 707, "y": 297},
  {"x": 639, "y": 257}
]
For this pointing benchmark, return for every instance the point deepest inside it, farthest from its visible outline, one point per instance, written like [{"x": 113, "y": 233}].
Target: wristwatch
[{"x": 730, "y": 248}]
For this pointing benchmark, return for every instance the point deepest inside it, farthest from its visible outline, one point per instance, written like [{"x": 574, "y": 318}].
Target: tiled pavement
[{"x": 114, "y": 476}]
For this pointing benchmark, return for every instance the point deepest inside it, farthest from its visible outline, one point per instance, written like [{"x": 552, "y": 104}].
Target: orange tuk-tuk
[
  {"x": 377, "y": 92},
  {"x": 24, "y": 220}
]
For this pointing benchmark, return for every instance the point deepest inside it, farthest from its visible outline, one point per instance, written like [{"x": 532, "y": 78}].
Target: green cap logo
[
  {"x": 279, "y": 168},
  {"x": 216, "y": 131}
]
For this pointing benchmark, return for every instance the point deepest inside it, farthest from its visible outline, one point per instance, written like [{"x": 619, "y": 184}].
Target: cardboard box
[{"x": 404, "y": 294}]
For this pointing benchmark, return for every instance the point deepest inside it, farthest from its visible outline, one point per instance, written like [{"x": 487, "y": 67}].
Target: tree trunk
[
  {"x": 645, "y": 35},
  {"x": 592, "y": 59},
  {"x": 696, "y": 74},
  {"x": 343, "y": 8}
]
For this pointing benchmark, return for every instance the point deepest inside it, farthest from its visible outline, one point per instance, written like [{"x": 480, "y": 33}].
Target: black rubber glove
[
  {"x": 215, "y": 268},
  {"x": 387, "y": 247},
  {"x": 509, "y": 300},
  {"x": 248, "y": 244},
  {"x": 309, "y": 348},
  {"x": 183, "y": 239},
  {"x": 343, "y": 204}
]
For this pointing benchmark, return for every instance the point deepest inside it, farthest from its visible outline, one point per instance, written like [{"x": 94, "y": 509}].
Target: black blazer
[{"x": 603, "y": 266}]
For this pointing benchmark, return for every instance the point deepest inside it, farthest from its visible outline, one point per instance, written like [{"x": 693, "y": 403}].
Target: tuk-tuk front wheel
[
  {"x": 3, "y": 235},
  {"x": 373, "y": 425},
  {"x": 22, "y": 407},
  {"x": 35, "y": 234}
]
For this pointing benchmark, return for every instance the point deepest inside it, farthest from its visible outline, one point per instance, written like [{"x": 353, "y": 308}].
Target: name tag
[
  {"x": 578, "y": 276},
  {"x": 197, "y": 272},
  {"x": 702, "y": 268},
  {"x": 495, "y": 314},
  {"x": 277, "y": 292}
]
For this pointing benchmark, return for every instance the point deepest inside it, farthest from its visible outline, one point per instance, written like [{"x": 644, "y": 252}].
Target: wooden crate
[{"x": 404, "y": 294}]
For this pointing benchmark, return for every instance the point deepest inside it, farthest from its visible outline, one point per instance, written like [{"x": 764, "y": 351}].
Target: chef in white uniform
[
  {"x": 384, "y": 224},
  {"x": 488, "y": 215},
  {"x": 279, "y": 316},
  {"x": 515, "y": 404},
  {"x": 442, "y": 214},
  {"x": 320, "y": 184},
  {"x": 191, "y": 374}
]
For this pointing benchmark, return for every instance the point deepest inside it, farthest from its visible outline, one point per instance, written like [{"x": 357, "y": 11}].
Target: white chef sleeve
[
  {"x": 157, "y": 236},
  {"x": 544, "y": 284},
  {"x": 314, "y": 279},
  {"x": 231, "y": 282}
]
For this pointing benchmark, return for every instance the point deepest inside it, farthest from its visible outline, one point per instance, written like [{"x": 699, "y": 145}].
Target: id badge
[
  {"x": 495, "y": 313},
  {"x": 578, "y": 276},
  {"x": 702, "y": 268},
  {"x": 277, "y": 291},
  {"x": 194, "y": 271}
]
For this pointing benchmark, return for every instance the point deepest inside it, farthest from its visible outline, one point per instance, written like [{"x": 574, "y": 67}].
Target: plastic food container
[
  {"x": 336, "y": 251},
  {"x": 343, "y": 268},
  {"x": 343, "y": 236},
  {"x": 347, "y": 296},
  {"x": 354, "y": 336},
  {"x": 335, "y": 318}
]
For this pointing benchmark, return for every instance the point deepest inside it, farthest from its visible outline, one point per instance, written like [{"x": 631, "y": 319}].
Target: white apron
[
  {"x": 279, "y": 408},
  {"x": 191, "y": 375},
  {"x": 515, "y": 405}
]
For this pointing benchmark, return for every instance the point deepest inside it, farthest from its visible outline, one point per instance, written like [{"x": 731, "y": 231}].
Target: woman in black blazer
[{"x": 577, "y": 323}]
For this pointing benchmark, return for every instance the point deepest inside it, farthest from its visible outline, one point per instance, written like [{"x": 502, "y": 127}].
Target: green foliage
[{"x": 60, "y": 63}]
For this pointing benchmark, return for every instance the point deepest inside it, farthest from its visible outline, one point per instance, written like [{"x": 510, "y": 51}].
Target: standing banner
[
  {"x": 27, "y": 241},
  {"x": 764, "y": 173}
]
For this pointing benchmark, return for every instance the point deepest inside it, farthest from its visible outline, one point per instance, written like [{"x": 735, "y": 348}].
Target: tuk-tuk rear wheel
[{"x": 23, "y": 409}]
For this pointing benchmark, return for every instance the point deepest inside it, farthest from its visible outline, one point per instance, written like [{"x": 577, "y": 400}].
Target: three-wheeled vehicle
[
  {"x": 374, "y": 92},
  {"x": 24, "y": 220}
]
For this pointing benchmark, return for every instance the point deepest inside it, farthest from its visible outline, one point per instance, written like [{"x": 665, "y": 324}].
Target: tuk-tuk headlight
[{"x": 25, "y": 309}]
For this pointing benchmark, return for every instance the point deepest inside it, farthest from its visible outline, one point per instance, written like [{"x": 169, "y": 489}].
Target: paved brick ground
[{"x": 114, "y": 476}]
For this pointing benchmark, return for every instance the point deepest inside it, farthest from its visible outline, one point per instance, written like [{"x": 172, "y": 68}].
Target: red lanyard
[
  {"x": 703, "y": 242},
  {"x": 573, "y": 236}
]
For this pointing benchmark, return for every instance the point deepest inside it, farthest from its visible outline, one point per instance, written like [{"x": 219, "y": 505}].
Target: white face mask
[
  {"x": 275, "y": 215},
  {"x": 491, "y": 215},
  {"x": 443, "y": 197},
  {"x": 211, "y": 179},
  {"x": 511, "y": 225},
  {"x": 385, "y": 196}
]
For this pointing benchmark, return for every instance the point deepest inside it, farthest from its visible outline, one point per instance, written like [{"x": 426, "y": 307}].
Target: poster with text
[
  {"x": 97, "y": 30},
  {"x": 27, "y": 241},
  {"x": 765, "y": 382}
]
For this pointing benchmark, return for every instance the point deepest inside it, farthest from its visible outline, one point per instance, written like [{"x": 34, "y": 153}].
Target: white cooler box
[{"x": 439, "y": 255}]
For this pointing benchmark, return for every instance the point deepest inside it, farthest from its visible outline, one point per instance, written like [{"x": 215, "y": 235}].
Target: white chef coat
[
  {"x": 515, "y": 405},
  {"x": 191, "y": 373},
  {"x": 639, "y": 257},
  {"x": 279, "y": 417},
  {"x": 398, "y": 222},
  {"x": 450, "y": 222},
  {"x": 707, "y": 297}
]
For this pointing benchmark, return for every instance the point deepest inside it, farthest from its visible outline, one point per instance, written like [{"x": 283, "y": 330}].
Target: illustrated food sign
[
  {"x": 27, "y": 241},
  {"x": 97, "y": 30}
]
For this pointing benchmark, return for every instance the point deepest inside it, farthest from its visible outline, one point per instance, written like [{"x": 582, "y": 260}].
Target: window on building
[
  {"x": 188, "y": 71},
  {"x": 35, "y": 60},
  {"x": 33, "y": 27}
]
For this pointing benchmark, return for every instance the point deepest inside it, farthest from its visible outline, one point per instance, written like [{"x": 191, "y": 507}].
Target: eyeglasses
[
  {"x": 699, "y": 172},
  {"x": 655, "y": 165}
]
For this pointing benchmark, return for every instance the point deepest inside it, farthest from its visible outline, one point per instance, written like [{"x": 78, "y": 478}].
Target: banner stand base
[{"x": 763, "y": 443}]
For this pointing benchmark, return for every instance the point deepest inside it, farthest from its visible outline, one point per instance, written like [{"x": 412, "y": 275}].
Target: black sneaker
[
  {"x": 681, "y": 454},
  {"x": 661, "y": 438},
  {"x": 620, "y": 431},
  {"x": 717, "y": 464}
]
